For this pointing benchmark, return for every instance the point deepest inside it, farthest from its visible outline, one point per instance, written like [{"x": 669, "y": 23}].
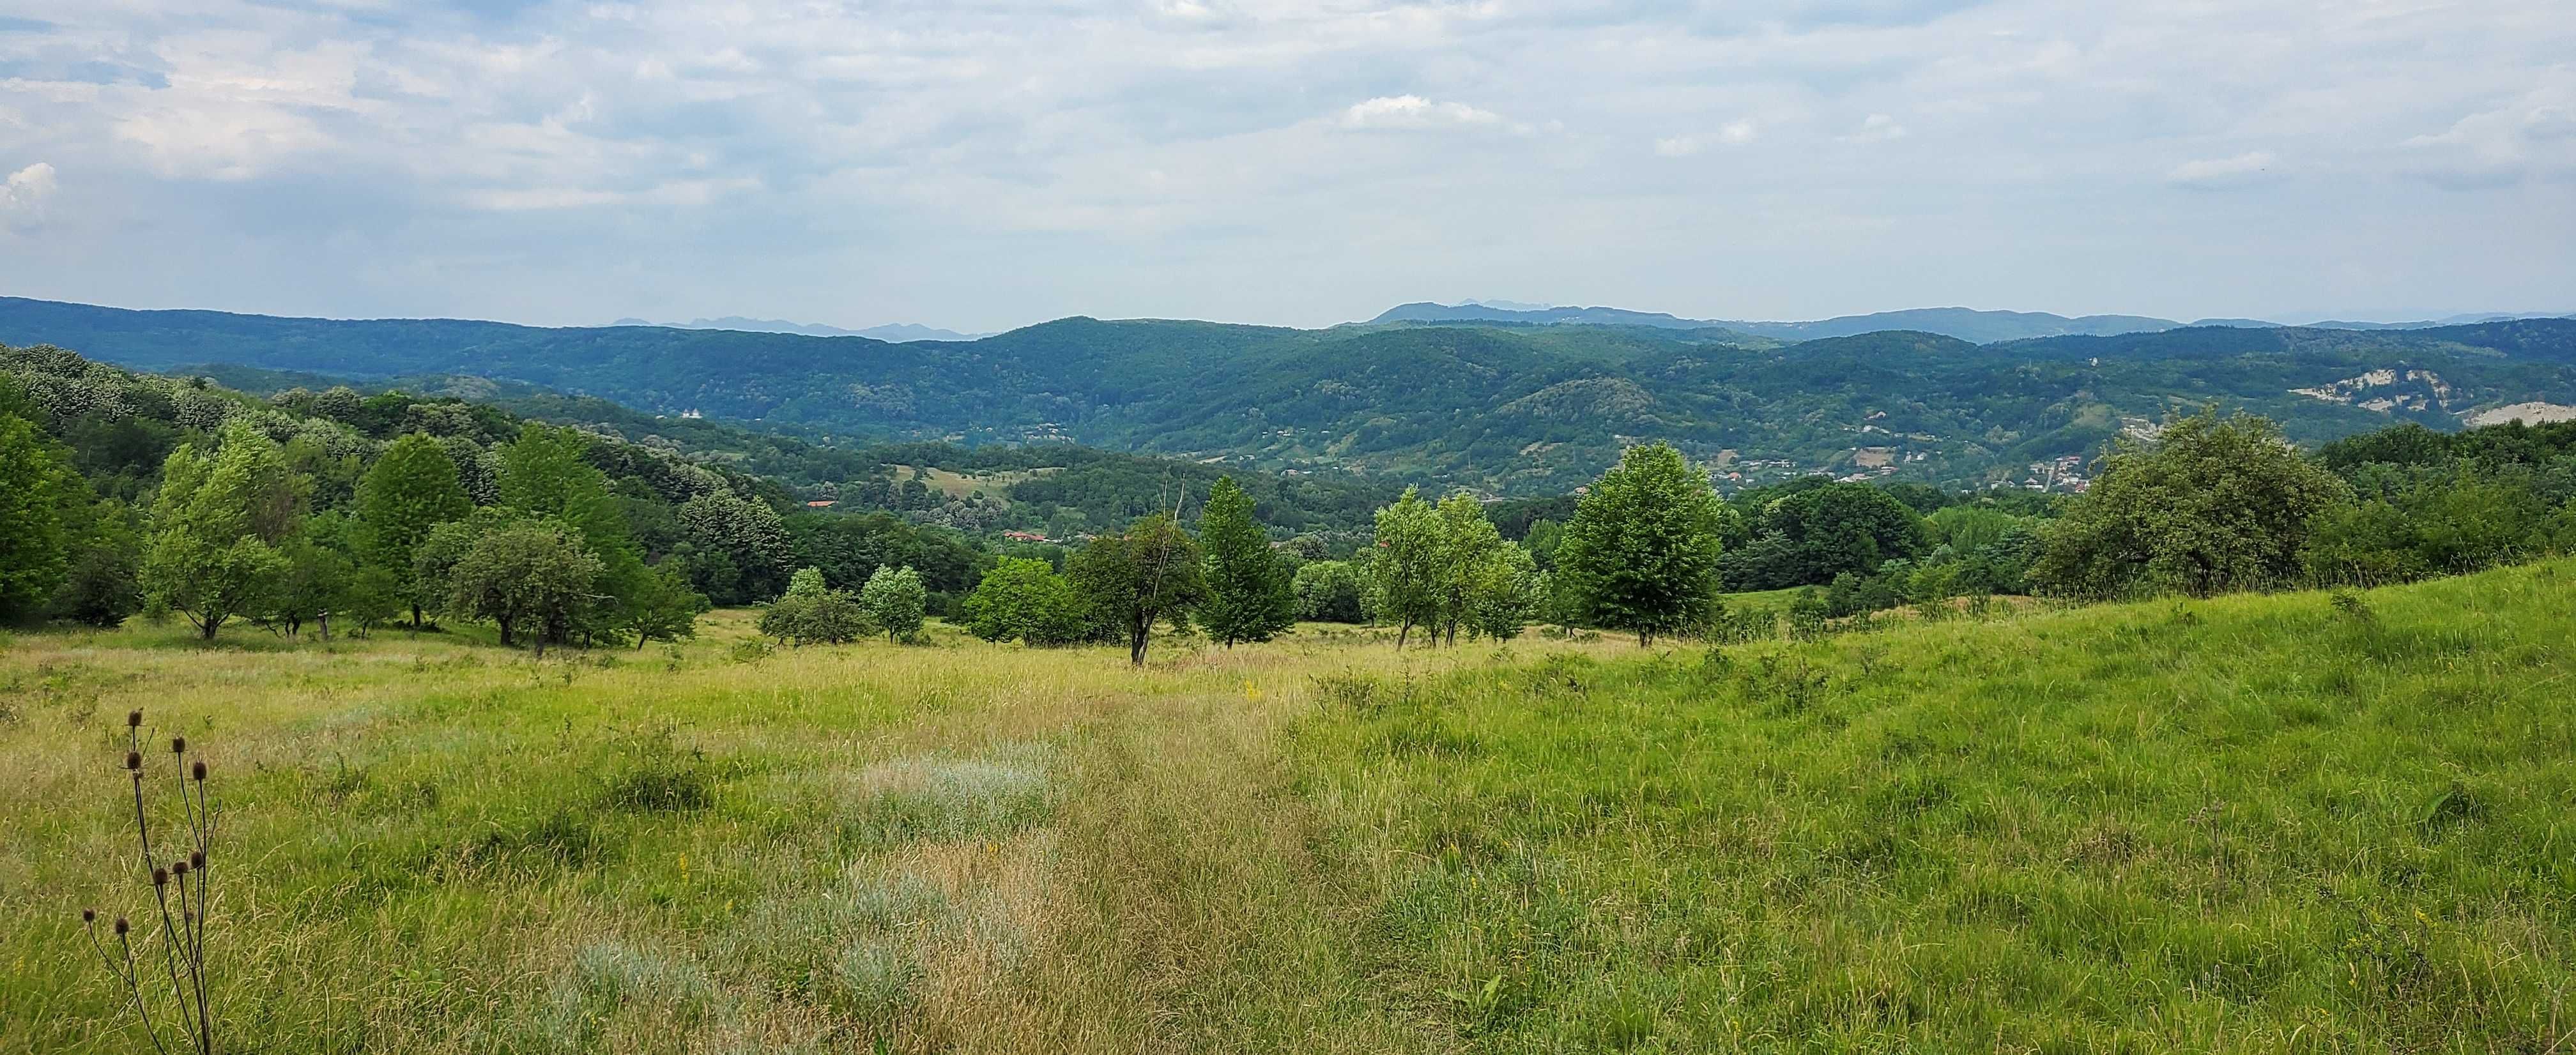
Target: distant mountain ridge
[
  {"x": 1967, "y": 324},
  {"x": 1509, "y": 408},
  {"x": 892, "y": 333}
]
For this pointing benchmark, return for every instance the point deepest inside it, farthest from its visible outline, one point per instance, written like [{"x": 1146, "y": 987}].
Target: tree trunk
[
  {"x": 505, "y": 631},
  {"x": 1403, "y": 632},
  {"x": 1644, "y": 639},
  {"x": 206, "y": 628},
  {"x": 1136, "y": 638},
  {"x": 415, "y": 617},
  {"x": 324, "y": 620}
]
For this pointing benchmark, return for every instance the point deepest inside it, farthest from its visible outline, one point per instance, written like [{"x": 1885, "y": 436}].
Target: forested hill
[{"x": 1513, "y": 408}]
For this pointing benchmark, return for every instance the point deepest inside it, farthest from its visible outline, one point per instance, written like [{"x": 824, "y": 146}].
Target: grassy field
[{"x": 2250, "y": 824}]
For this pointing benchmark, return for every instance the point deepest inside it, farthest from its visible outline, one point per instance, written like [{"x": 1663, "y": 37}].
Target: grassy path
[{"x": 2292, "y": 823}]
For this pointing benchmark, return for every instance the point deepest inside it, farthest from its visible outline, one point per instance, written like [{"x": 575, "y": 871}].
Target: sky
[{"x": 983, "y": 164}]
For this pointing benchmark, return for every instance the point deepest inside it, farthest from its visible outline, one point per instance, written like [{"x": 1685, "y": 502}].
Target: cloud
[
  {"x": 1283, "y": 160},
  {"x": 1877, "y": 128},
  {"x": 1732, "y": 134},
  {"x": 22, "y": 197},
  {"x": 2536, "y": 136},
  {"x": 1414, "y": 111},
  {"x": 2212, "y": 173}
]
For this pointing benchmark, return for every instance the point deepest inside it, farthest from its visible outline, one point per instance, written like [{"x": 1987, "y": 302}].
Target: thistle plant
[{"x": 179, "y": 900}]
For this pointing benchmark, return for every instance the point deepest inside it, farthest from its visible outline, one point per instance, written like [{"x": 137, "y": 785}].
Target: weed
[{"x": 179, "y": 887}]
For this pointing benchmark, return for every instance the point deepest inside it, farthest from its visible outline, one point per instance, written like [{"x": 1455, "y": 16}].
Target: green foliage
[
  {"x": 1151, "y": 572},
  {"x": 34, "y": 486},
  {"x": 1026, "y": 600},
  {"x": 410, "y": 490},
  {"x": 2215, "y": 504},
  {"x": 1642, "y": 552},
  {"x": 666, "y": 609},
  {"x": 1330, "y": 591},
  {"x": 1249, "y": 593},
  {"x": 831, "y": 617},
  {"x": 2434, "y": 522},
  {"x": 217, "y": 526},
  {"x": 102, "y": 585},
  {"x": 753, "y": 542},
  {"x": 376, "y": 596},
  {"x": 314, "y": 585},
  {"x": 1405, "y": 564},
  {"x": 531, "y": 578},
  {"x": 1815, "y": 534},
  {"x": 894, "y": 601}
]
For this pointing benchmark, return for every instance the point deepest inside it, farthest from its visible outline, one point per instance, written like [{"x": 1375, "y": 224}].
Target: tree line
[{"x": 174, "y": 497}]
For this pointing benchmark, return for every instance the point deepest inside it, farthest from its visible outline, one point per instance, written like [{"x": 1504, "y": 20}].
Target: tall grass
[{"x": 2256, "y": 823}]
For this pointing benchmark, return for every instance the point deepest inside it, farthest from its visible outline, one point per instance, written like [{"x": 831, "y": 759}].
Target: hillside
[
  {"x": 1514, "y": 409},
  {"x": 2248, "y": 824}
]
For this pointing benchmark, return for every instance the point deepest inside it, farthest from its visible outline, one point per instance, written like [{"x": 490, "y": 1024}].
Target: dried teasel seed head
[
  {"x": 199, "y": 771},
  {"x": 121, "y": 926},
  {"x": 160, "y": 877},
  {"x": 134, "y": 761},
  {"x": 89, "y": 915},
  {"x": 178, "y": 745},
  {"x": 133, "y": 719},
  {"x": 197, "y": 860},
  {"x": 179, "y": 868}
]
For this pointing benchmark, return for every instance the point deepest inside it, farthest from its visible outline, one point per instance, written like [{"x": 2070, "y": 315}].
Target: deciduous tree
[
  {"x": 1641, "y": 553},
  {"x": 1149, "y": 573},
  {"x": 1248, "y": 590}
]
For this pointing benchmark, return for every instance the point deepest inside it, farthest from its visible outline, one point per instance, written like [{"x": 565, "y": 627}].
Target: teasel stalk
[{"x": 183, "y": 911}]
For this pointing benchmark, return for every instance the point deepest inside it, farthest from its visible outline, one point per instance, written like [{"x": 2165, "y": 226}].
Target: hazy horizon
[{"x": 981, "y": 167}]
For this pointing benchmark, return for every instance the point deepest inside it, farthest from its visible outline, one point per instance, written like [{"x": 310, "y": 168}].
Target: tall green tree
[
  {"x": 1467, "y": 544},
  {"x": 2214, "y": 504},
  {"x": 1249, "y": 594},
  {"x": 103, "y": 584},
  {"x": 217, "y": 526},
  {"x": 1149, "y": 573},
  {"x": 410, "y": 490},
  {"x": 1404, "y": 564},
  {"x": 895, "y": 601},
  {"x": 1641, "y": 553},
  {"x": 528, "y": 577},
  {"x": 33, "y": 545}
]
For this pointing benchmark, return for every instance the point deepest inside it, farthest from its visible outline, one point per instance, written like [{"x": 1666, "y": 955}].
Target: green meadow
[{"x": 2285, "y": 822}]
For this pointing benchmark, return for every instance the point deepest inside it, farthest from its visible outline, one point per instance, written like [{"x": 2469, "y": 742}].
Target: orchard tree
[
  {"x": 1024, "y": 599},
  {"x": 412, "y": 488},
  {"x": 1404, "y": 564},
  {"x": 528, "y": 577},
  {"x": 1132, "y": 580},
  {"x": 2214, "y": 504},
  {"x": 1503, "y": 592},
  {"x": 1249, "y": 596},
  {"x": 895, "y": 602},
  {"x": 1467, "y": 544},
  {"x": 217, "y": 525},
  {"x": 666, "y": 608},
  {"x": 1641, "y": 552}
]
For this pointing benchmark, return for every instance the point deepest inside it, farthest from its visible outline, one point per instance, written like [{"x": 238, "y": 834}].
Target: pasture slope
[{"x": 2296, "y": 822}]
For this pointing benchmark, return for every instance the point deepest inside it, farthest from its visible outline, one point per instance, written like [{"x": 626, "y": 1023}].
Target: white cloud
[
  {"x": 2210, "y": 173},
  {"x": 1414, "y": 111},
  {"x": 22, "y": 197},
  {"x": 1877, "y": 128},
  {"x": 1732, "y": 134},
  {"x": 2503, "y": 146}
]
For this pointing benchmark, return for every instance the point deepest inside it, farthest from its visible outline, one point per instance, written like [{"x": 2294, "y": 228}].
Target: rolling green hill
[{"x": 1514, "y": 409}]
